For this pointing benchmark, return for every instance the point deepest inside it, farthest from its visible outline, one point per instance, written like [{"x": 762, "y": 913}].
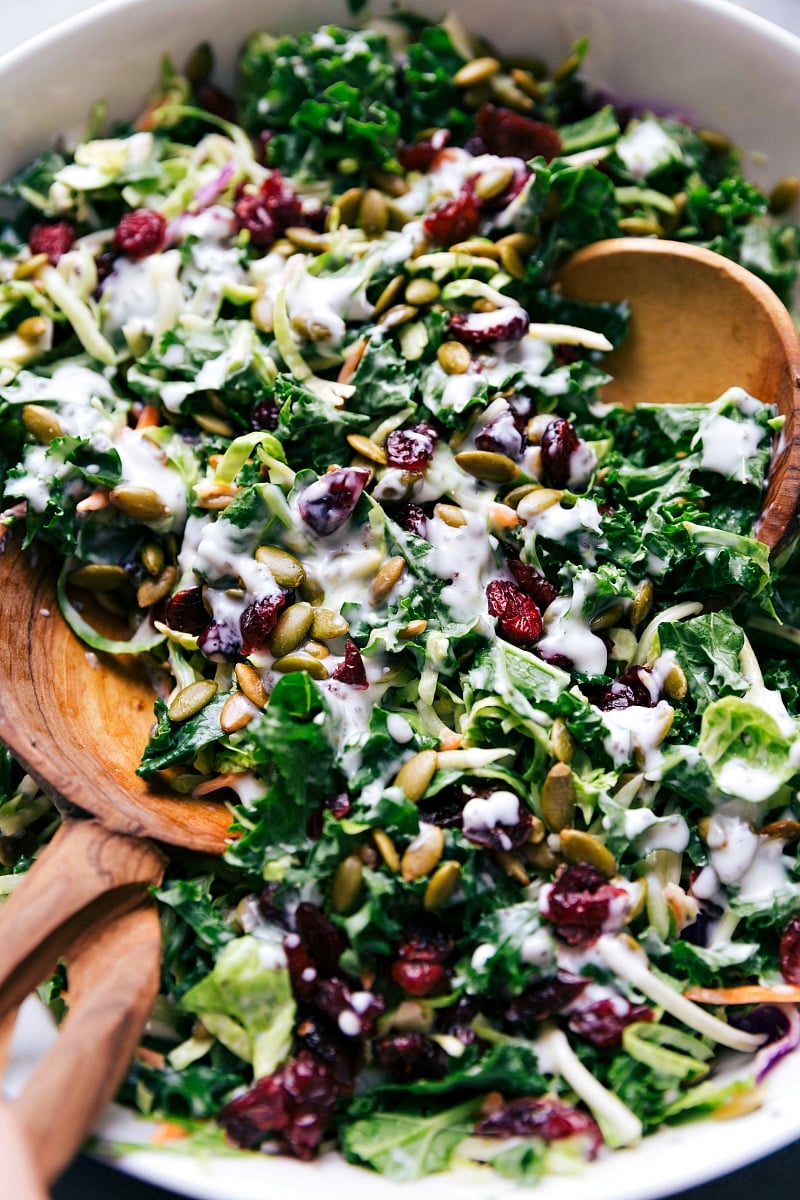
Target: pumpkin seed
[
  {"x": 562, "y": 742},
  {"x": 577, "y": 846},
  {"x": 398, "y": 314},
  {"x": 476, "y": 71},
  {"x": 237, "y": 711},
  {"x": 389, "y": 294},
  {"x": 493, "y": 182},
  {"x": 191, "y": 699},
  {"x": 523, "y": 243},
  {"x": 112, "y": 602},
  {"x": 540, "y": 856},
  {"x": 139, "y": 503},
  {"x": 454, "y": 358},
  {"x": 386, "y": 578},
  {"x": 98, "y": 577},
  {"x": 537, "y": 501},
  {"x": 41, "y": 423},
  {"x": 286, "y": 570},
  {"x": 423, "y": 854},
  {"x": 675, "y": 683},
  {"x": 31, "y": 329},
  {"x": 367, "y": 448},
  {"x": 718, "y": 143},
  {"x": 488, "y": 466},
  {"x": 311, "y": 590},
  {"x": 291, "y": 627},
  {"x": 392, "y": 185},
  {"x": 30, "y": 266},
  {"x": 153, "y": 589},
  {"x": 152, "y": 558},
  {"x": 250, "y": 683},
  {"x": 291, "y": 663},
  {"x": 607, "y": 617},
  {"x": 477, "y": 248},
  {"x": 512, "y": 498},
  {"x": 415, "y": 775},
  {"x": 526, "y": 82},
  {"x": 512, "y": 866},
  {"x": 412, "y": 629},
  {"x": 348, "y": 879},
  {"x": 315, "y": 649},
  {"x": 214, "y": 425},
  {"x": 326, "y": 623},
  {"x": 451, "y": 514},
  {"x": 641, "y": 603},
  {"x": 640, "y": 227},
  {"x": 782, "y": 196},
  {"x": 348, "y": 205},
  {"x": 386, "y": 849},
  {"x": 422, "y": 291},
  {"x": 307, "y": 239},
  {"x": 442, "y": 885},
  {"x": 373, "y": 214},
  {"x": 512, "y": 261},
  {"x": 558, "y": 798}
]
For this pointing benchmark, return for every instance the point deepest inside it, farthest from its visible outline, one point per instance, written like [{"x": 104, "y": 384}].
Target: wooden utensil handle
[{"x": 85, "y": 901}]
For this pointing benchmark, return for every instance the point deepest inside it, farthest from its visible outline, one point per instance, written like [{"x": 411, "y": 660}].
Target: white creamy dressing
[
  {"x": 559, "y": 523},
  {"x": 728, "y": 445},
  {"x": 483, "y": 813},
  {"x": 326, "y": 302},
  {"x": 567, "y": 632},
  {"x": 656, "y": 833},
  {"x": 748, "y": 781},
  {"x": 350, "y": 710},
  {"x": 143, "y": 298},
  {"x": 399, "y": 729},
  {"x": 644, "y": 147},
  {"x": 464, "y": 556},
  {"x": 636, "y": 729}
]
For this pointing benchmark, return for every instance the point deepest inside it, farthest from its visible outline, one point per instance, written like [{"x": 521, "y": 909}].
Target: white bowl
[{"x": 722, "y": 66}]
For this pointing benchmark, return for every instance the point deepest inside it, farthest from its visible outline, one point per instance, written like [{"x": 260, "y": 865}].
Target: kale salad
[{"x": 495, "y": 679}]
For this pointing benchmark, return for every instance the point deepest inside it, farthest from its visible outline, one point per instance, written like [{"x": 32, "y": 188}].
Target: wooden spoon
[
  {"x": 699, "y": 325},
  {"x": 78, "y": 722}
]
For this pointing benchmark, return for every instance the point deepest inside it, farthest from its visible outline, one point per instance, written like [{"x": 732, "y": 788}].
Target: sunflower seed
[{"x": 191, "y": 699}]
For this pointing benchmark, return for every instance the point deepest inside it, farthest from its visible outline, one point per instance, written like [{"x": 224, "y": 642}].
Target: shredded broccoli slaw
[{"x": 498, "y": 685}]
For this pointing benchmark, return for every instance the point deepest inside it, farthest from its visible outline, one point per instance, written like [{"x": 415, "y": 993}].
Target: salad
[{"x": 495, "y": 679}]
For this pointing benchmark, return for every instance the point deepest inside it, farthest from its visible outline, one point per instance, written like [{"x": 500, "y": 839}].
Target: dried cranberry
[
  {"x": 410, "y": 449},
  {"x": 52, "y": 238},
  {"x": 327, "y": 504},
  {"x": 258, "y": 621},
  {"x": 323, "y": 941},
  {"x": 542, "y": 1117},
  {"x": 186, "y": 612},
  {"x": 351, "y": 670},
  {"x": 559, "y": 442},
  {"x": 303, "y": 974},
  {"x": 295, "y": 1106},
  {"x": 265, "y": 415},
  {"x": 420, "y": 156},
  {"x": 407, "y": 1056},
  {"x": 455, "y": 220},
  {"x": 418, "y": 978},
  {"x": 413, "y": 519},
  {"x": 480, "y": 329},
  {"x": 603, "y": 1021},
  {"x": 510, "y": 134},
  {"x": 456, "y": 1019},
  {"x": 533, "y": 583},
  {"x": 541, "y": 998},
  {"x": 220, "y": 641},
  {"x": 445, "y": 808},
  {"x": 265, "y": 214},
  {"x": 518, "y": 618},
  {"x": 789, "y": 951},
  {"x": 140, "y": 233},
  {"x": 322, "y": 1038},
  {"x": 429, "y": 943},
  {"x": 631, "y": 688},
  {"x": 215, "y": 101},
  {"x": 579, "y": 904},
  {"x": 354, "y": 1013},
  {"x": 501, "y": 436}
]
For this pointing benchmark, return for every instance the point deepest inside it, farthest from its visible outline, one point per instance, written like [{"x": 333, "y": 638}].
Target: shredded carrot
[
  {"x": 502, "y": 516},
  {"x": 148, "y": 416},
  {"x": 93, "y": 502},
  {"x": 151, "y": 1058},
  {"x": 348, "y": 368},
  {"x": 749, "y": 993},
  {"x": 453, "y": 742},
  {"x": 168, "y": 1131}
]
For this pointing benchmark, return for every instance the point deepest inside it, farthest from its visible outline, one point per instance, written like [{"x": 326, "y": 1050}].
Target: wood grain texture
[
  {"x": 79, "y": 721},
  {"x": 85, "y": 901},
  {"x": 20, "y": 1178},
  {"x": 699, "y": 325}
]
